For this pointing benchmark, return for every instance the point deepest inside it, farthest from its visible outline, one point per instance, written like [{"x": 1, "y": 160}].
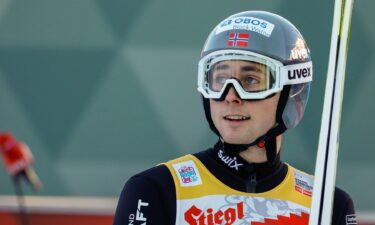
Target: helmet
[{"x": 283, "y": 64}]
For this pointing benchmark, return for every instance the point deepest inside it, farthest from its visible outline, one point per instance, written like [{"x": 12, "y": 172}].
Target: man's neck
[{"x": 254, "y": 154}]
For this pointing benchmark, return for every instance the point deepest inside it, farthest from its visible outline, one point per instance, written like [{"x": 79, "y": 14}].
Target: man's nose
[{"x": 233, "y": 96}]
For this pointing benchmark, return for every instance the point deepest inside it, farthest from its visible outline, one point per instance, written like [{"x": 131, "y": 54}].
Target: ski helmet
[{"x": 278, "y": 48}]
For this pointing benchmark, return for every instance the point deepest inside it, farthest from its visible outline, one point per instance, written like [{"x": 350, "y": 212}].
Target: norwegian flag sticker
[{"x": 238, "y": 39}]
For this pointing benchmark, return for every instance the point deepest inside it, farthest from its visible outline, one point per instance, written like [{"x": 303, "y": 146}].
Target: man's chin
[{"x": 237, "y": 141}]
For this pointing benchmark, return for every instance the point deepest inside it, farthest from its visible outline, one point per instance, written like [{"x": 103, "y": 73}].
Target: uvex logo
[
  {"x": 197, "y": 216},
  {"x": 231, "y": 162},
  {"x": 299, "y": 73}
]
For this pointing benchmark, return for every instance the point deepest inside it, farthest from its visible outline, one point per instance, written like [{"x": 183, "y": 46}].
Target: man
[{"x": 254, "y": 76}]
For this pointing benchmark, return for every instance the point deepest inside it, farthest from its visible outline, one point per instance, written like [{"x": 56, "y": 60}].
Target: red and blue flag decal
[{"x": 238, "y": 39}]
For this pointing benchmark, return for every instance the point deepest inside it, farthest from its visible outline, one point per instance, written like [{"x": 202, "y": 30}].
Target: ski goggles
[{"x": 252, "y": 75}]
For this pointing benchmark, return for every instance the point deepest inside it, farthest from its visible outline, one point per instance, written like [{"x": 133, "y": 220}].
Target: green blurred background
[{"x": 101, "y": 90}]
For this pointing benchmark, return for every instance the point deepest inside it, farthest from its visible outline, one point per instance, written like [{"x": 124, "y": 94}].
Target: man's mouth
[{"x": 236, "y": 117}]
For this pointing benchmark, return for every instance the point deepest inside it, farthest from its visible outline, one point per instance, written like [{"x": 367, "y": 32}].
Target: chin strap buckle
[
  {"x": 261, "y": 144},
  {"x": 261, "y": 141}
]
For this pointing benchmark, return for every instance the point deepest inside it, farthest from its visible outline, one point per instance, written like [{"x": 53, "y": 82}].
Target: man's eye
[
  {"x": 220, "y": 80},
  {"x": 251, "y": 80}
]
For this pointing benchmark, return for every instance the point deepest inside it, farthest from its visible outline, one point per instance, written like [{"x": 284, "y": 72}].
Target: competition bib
[{"x": 204, "y": 200}]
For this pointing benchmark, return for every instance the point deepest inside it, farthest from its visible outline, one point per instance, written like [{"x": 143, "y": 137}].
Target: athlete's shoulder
[
  {"x": 161, "y": 174},
  {"x": 342, "y": 196},
  {"x": 343, "y": 208},
  {"x": 302, "y": 178},
  {"x": 180, "y": 159},
  {"x": 155, "y": 179},
  {"x": 148, "y": 196},
  {"x": 180, "y": 164},
  {"x": 300, "y": 171}
]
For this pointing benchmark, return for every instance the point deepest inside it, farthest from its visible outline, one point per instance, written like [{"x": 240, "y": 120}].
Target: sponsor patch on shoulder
[
  {"x": 351, "y": 219},
  {"x": 188, "y": 174},
  {"x": 303, "y": 183}
]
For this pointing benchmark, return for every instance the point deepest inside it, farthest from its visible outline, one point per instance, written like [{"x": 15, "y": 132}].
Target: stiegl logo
[
  {"x": 196, "y": 216},
  {"x": 299, "y": 73}
]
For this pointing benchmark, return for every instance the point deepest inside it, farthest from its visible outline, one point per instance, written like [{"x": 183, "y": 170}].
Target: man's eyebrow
[
  {"x": 221, "y": 67},
  {"x": 246, "y": 68},
  {"x": 250, "y": 68}
]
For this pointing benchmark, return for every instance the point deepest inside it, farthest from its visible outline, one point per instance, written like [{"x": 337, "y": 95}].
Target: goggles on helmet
[{"x": 253, "y": 76}]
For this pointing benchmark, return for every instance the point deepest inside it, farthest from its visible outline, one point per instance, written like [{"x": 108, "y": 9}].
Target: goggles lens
[{"x": 250, "y": 76}]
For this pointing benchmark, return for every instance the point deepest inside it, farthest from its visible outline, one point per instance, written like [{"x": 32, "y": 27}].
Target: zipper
[{"x": 251, "y": 183}]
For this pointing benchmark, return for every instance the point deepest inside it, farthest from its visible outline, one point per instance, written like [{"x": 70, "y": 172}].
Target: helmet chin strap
[{"x": 267, "y": 141}]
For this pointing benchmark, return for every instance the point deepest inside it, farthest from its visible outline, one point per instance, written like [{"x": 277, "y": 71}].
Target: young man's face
[{"x": 240, "y": 121}]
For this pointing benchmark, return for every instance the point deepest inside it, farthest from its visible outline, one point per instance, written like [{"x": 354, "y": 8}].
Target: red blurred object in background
[{"x": 18, "y": 158}]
